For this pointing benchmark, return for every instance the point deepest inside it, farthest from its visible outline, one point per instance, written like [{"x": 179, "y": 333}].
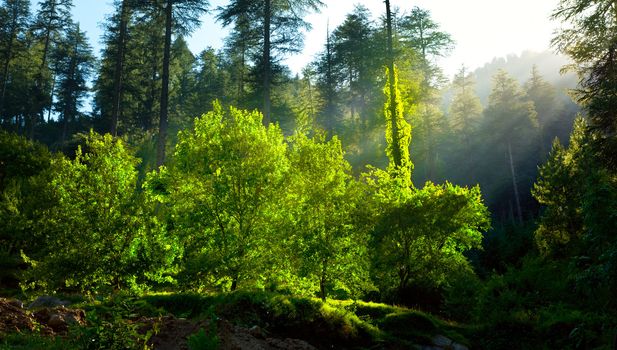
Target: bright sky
[{"x": 482, "y": 29}]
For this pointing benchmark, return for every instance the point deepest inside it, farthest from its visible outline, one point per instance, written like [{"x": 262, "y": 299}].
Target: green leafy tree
[
  {"x": 422, "y": 234},
  {"x": 98, "y": 233},
  {"x": 21, "y": 160},
  {"x": 221, "y": 189},
  {"x": 328, "y": 241}
]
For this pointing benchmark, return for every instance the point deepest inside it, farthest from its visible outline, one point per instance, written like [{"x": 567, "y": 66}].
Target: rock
[
  {"x": 290, "y": 344},
  {"x": 257, "y": 332},
  {"x": 442, "y": 342},
  {"x": 47, "y": 301},
  {"x": 13, "y": 319},
  {"x": 57, "y": 323},
  {"x": 17, "y": 303}
]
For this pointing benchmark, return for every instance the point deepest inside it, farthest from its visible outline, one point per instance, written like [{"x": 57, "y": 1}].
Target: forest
[{"x": 156, "y": 198}]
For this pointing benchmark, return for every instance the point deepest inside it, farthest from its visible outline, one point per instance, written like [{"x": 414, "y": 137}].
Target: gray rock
[
  {"x": 47, "y": 301},
  {"x": 442, "y": 342}
]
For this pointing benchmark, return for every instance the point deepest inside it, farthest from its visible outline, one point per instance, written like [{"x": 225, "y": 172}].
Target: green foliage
[
  {"x": 398, "y": 131},
  {"x": 110, "y": 327},
  {"x": 421, "y": 234},
  {"x": 536, "y": 305},
  {"x": 329, "y": 242},
  {"x": 29, "y": 341},
  {"x": 221, "y": 189},
  {"x": 21, "y": 160},
  {"x": 98, "y": 232},
  {"x": 203, "y": 341}
]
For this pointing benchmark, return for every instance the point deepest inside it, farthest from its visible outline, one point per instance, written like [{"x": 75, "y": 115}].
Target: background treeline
[{"x": 289, "y": 201}]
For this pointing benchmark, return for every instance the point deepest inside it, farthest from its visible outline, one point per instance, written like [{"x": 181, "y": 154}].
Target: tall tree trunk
[
  {"x": 430, "y": 151},
  {"x": 162, "y": 139},
  {"x": 69, "y": 110},
  {"x": 396, "y": 151},
  {"x": 519, "y": 212},
  {"x": 115, "y": 114},
  {"x": 53, "y": 91},
  {"x": 5, "y": 68},
  {"x": 329, "y": 123},
  {"x": 266, "y": 58},
  {"x": 39, "y": 84}
]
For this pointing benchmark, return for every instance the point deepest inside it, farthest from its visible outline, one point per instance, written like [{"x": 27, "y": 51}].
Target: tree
[
  {"x": 465, "y": 115},
  {"x": 421, "y": 234},
  {"x": 99, "y": 236},
  {"x": 123, "y": 18},
  {"x": 589, "y": 37},
  {"x": 187, "y": 14},
  {"x": 542, "y": 94},
  {"x": 398, "y": 131},
  {"x": 75, "y": 62},
  {"x": 328, "y": 242},
  {"x": 53, "y": 18},
  {"x": 580, "y": 196},
  {"x": 222, "y": 188},
  {"x": 15, "y": 19},
  {"x": 421, "y": 34},
  {"x": 21, "y": 161},
  {"x": 466, "y": 108},
  {"x": 280, "y": 23},
  {"x": 511, "y": 120},
  {"x": 355, "y": 60}
]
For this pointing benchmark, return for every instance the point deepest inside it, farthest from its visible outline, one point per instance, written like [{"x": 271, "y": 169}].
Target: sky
[{"x": 482, "y": 29}]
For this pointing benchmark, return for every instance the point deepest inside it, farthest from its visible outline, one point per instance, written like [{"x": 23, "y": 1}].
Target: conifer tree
[{"x": 14, "y": 19}]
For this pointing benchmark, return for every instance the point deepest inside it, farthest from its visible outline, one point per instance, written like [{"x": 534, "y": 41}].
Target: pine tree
[
  {"x": 76, "y": 64},
  {"x": 511, "y": 120},
  {"x": 287, "y": 17},
  {"x": 52, "y": 19},
  {"x": 590, "y": 39},
  {"x": 14, "y": 19},
  {"x": 187, "y": 15}
]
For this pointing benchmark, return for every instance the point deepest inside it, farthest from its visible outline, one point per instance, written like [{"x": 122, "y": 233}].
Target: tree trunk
[
  {"x": 69, "y": 111},
  {"x": 5, "y": 69},
  {"x": 162, "y": 139},
  {"x": 430, "y": 156},
  {"x": 515, "y": 185},
  {"x": 323, "y": 280},
  {"x": 115, "y": 115},
  {"x": 266, "y": 58},
  {"x": 396, "y": 151},
  {"x": 234, "y": 283}
]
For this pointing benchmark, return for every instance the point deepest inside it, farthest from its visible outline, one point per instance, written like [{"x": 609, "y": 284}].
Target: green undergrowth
[
  {"x": 114, "y": 323},
  {"x": 342, "y": 324}
]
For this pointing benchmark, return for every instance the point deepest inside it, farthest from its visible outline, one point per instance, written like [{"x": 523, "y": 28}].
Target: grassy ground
[{"x": 115, "y": 323}]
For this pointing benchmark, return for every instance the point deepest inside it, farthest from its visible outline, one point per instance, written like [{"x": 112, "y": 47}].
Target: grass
[{"x": 345, "y": 324}]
